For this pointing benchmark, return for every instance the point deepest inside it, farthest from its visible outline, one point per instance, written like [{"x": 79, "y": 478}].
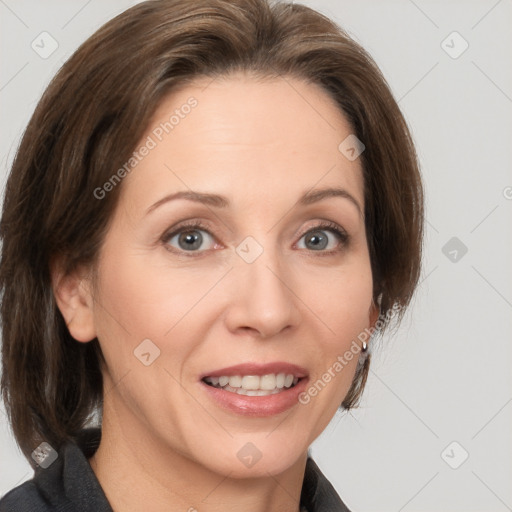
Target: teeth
[
  {"x": 235, "y": 381},
  {"x": 251, "y": 392},
  {"x": 254, "y": 385},
  {"x": 267, "y": 382},
  {"x": 251, "y": 382}
]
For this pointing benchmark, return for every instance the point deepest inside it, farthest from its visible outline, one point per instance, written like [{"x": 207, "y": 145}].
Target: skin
[{"x": 262, "y": 144}]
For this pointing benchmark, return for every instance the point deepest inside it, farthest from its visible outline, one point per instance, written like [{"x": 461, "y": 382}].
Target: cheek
[
  {"x": 143, "y": 298},
  {"x": 351, "y": 306},
  {"x": 345, "y": 302},
  {"x": 345, "y": 315},
  {"x": 132, "y": 300}
]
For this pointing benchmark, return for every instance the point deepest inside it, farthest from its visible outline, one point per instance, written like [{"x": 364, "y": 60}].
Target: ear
[{"x": 75, "y": 301}]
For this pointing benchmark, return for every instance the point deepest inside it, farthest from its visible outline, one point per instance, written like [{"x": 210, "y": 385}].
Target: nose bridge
[
  {"x": 266, "y": 302},
  {"x": 261, "y": 265}
]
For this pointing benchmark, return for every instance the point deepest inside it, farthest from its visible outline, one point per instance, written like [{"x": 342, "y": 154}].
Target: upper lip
[{"x": 259, "y": 369}]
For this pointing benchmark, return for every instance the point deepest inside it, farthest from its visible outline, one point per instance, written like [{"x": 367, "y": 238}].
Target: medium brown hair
[{"x": 88, "y": 123}]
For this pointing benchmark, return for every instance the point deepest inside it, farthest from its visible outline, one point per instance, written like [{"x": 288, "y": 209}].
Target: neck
[{"x": 137, "y": 472}]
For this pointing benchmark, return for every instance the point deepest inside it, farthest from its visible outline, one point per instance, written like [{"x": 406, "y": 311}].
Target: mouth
[
  {"x": 255, "y": 389},
  {"x": 254, "y": 385}
]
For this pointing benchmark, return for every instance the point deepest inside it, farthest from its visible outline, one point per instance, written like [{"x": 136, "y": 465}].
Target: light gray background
[{"x": 446, "y": 375}]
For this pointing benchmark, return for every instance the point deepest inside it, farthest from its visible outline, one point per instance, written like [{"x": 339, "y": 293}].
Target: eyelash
[{"x": 198, "y": 225}]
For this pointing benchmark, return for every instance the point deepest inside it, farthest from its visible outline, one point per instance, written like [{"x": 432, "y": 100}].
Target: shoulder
[
  {"x": 67, "y": 483},
  {"x": 318, "y": 494},
  {"x": 24, "y": 498}
]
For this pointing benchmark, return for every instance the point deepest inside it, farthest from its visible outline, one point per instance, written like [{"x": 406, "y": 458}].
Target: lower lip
[{"x": 259, "y": 406}]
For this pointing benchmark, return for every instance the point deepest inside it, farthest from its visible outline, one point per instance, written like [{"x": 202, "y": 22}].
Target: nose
[{"x": 263, "y": 298}]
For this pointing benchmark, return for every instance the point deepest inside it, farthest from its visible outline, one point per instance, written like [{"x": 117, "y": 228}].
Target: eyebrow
[{"x": 218, "y": 201}]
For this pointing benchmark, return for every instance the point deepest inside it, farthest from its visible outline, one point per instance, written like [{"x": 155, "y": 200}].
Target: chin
[{"x": 251, "y": 456}]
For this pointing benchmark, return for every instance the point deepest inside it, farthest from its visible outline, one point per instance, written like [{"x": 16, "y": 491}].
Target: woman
[{"x": 213, "y": 207}]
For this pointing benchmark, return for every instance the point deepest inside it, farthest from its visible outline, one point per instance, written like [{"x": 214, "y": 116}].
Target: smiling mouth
[{"x": 254, "y": 385}]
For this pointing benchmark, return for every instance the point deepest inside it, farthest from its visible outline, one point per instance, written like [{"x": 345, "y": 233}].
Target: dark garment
[{"x": 69, "y": 485}]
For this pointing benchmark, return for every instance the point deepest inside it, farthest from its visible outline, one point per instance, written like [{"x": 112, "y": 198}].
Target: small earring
[{"x": 365, "y": 347}]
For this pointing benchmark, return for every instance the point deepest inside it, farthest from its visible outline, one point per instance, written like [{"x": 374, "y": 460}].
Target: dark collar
[{"x": 69, "y": 484}]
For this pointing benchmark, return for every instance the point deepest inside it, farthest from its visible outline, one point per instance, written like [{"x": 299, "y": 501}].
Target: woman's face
[{"x": 251, "y": 273}]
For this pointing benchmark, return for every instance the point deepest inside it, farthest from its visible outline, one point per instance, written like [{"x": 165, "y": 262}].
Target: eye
[
  {"x": 316, "y": 238},
  {"x": 189, "y": 237}
]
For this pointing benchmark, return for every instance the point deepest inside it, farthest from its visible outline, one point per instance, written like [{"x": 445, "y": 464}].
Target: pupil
[
  {"x": 192, "y": 241},
  {"x": 318, "y": 240}
]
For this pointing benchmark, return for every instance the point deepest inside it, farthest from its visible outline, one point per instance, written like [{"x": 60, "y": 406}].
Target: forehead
[{"x": 245, "y": 136}]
